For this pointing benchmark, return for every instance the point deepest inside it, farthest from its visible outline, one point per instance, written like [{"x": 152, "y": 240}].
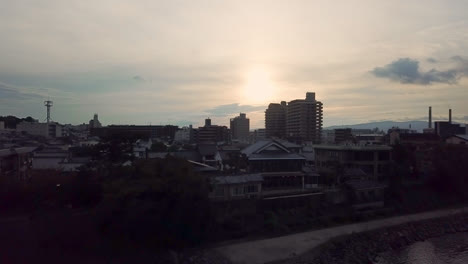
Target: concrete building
[
  {"x": 275, "y": 120},
  {"x": 2, "y": 125},
  {"x": 212, "y": 133},
  {"x": 343, "y": 135},
  {"x": 304, "y": 119},
  {"x": 48, "y": 130},
  {"x": 257, "y": 135},
  {"x": 184, "y": 135},
  {"x": 373, "y": 160},
  {"x": 94, "y": 123},
  {"x": 240, "y": 127},
  {"x": 446, "y": 129}
]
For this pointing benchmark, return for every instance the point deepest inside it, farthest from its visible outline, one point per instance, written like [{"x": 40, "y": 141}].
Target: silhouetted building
[
  {"x": 48, "y": 130},
  {"x": 283, "y": 171},
  {"x": 94, "y": 123},
  {"x": 373, "y": 160},
  {"x": 343, "y": 135},
  {"x": 275, "y": 120},
  {"x": 240, "y": 127},
  {"x": 212, "y": 133},
  {"x": 446, "y": 129},
  {"x": 257, "y": 134},
  {"x": 304, "y": 119},
  {"x": 163, "y": 132},
  {"x": 185, "y": 135}
]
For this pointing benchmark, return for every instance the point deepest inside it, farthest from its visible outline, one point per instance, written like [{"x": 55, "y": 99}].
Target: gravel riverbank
[{"x": 365, "y": 247}]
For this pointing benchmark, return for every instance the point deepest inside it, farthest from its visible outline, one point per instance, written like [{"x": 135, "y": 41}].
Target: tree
[
  {"x": 450, "y": 175},
  {"x": 158, "y": 147},
  {"x": 161, "y": 201}
]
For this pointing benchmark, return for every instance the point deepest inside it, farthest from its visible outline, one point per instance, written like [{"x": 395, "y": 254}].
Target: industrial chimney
[
  {"x": 430, "y": 116},
  {"x": 450, "y": 116}
]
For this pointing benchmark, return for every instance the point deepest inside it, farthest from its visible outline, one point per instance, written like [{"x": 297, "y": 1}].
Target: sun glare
[{"x": 258, "y": 87}]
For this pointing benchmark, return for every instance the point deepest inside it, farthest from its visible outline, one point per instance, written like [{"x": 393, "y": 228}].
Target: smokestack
[
  {"x": 430, "y": 116},
  {"x": 450, "y": 116}
]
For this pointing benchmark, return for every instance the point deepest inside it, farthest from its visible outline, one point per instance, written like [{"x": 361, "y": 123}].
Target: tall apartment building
[
  {"x": 275, "y": 120},
  {"x": 304, "y": 119},
  {"x": 240, "y": 126}
]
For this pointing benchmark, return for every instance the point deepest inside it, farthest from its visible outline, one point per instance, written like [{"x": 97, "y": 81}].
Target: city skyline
[{"x": 179, "y": 63}]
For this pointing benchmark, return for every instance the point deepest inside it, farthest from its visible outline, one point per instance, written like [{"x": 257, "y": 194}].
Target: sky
[{"x": 179, "y": 62}]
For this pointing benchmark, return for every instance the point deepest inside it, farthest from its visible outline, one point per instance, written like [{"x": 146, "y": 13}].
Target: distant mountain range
[{"x": 385, "y": 125}]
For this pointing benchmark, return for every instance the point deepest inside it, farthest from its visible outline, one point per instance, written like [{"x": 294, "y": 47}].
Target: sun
[{"x": 258, "y": 86}]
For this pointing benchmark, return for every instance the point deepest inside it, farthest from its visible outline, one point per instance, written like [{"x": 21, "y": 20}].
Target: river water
[{"x": 448, "y": 249}]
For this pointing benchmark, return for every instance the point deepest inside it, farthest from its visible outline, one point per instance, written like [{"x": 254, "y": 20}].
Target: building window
[
  {"x": 251, "y": 189},
  {"x": 219, "y": 191},
  {"x": 237, "y": 191}
]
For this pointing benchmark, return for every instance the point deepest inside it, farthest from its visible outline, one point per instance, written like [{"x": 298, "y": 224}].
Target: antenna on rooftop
[{"x": 48, "y": 104}]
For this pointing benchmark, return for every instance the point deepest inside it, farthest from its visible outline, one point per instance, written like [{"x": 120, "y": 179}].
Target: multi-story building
[
  {"x": 257, "y": 135},
  {"x": 94, "y": 123},
  {"x": 446, "y": 129},
  {"x": 48, "y": 130},
  {"x": 304, "y": 119},
  {"x": 275, "y": 120},
  {"x": 162, "y": 132},
  {"x": 184, "y": 135},
  {"x": 373, "y": 160},
  {"x": 240, "y": 126},
  {"x": 212, "y": 133},
  {"x": 343, "y": 135}
]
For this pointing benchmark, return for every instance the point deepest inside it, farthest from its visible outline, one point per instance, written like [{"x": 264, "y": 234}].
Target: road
[{"x": 279, "y": 248}]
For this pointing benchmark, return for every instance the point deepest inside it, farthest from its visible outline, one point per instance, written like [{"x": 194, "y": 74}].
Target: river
[{"x": 448, "y": 249}]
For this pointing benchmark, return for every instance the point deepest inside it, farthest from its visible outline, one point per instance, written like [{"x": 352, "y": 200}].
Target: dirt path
[{"x": 279, "y": 248}]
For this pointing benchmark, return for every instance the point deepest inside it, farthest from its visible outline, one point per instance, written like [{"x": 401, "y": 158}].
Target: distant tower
[{"x": 48, "y": 104}]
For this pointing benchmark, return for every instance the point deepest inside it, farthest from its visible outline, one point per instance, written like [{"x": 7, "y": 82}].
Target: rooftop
[
  {"x": 238, "y": 179},
  {"x": 354, "y": 147}
]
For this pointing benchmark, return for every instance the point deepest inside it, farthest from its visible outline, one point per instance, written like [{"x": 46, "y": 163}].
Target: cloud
[
  {"x": 10, "y": 92},
  {"x": 138, "y": 78},
  {"x": 235, "y": 108},
  {"x": 431, "y": 60},
  {"x": 406, "y": 70}
]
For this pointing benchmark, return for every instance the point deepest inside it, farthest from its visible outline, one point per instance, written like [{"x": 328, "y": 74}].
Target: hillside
[{"x": 385, "y": 125}]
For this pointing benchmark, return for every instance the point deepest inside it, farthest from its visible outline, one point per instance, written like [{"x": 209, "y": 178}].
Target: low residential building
[
  {"x": 373, "y": 160},
  {"x": 48, "y": 130},
  {"x": 16, "y": 162},
  {"x": 142, "y": 147},
  {"x": 49, "y": 158},
  {"x": 283, "y": 170},
  {"x": 237, "y": 187}
]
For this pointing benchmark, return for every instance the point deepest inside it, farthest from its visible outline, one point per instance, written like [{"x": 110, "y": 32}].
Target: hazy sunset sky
[{"x": 178, "y": 62}]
